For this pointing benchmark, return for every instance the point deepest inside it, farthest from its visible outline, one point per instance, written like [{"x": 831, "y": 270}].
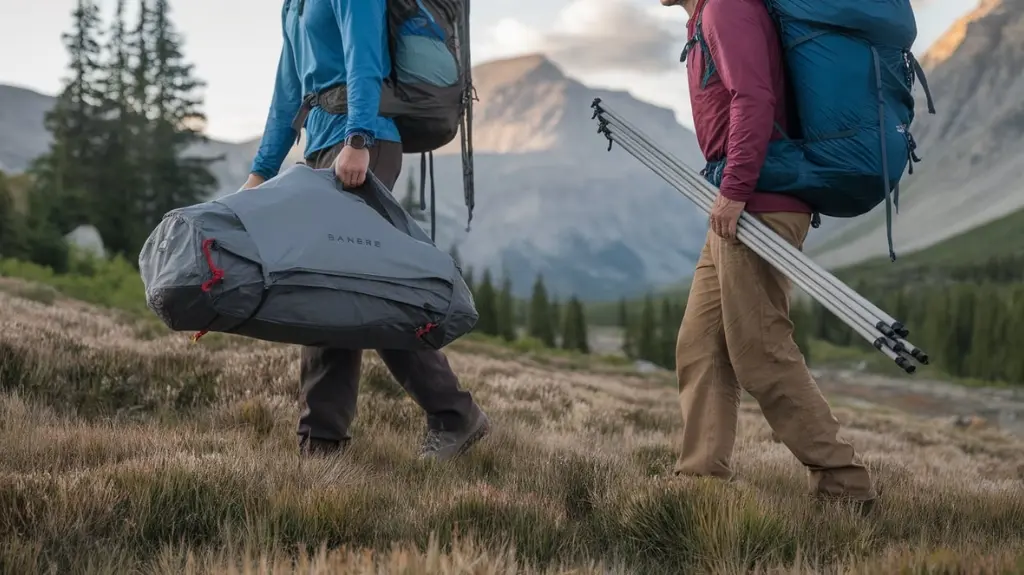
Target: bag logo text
[{"x": 353, "y": 240}]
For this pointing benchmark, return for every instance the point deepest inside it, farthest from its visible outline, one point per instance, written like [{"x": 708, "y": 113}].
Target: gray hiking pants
[{"x": 330, "y": 376}]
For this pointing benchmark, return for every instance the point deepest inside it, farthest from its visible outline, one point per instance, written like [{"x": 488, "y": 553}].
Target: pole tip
[
  {"x": 900, "y": 329},
  {"x": 905, "y": 365}
]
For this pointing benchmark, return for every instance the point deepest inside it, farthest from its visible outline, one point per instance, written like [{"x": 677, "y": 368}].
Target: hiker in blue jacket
[{"x": 342, "y": 45}]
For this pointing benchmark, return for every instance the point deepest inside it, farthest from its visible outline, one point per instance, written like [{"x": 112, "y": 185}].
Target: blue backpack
[{"x": 850, "y": 73}]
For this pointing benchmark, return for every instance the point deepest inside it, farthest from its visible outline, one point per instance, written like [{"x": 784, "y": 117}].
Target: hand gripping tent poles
[{"x": 877, "y": 327}]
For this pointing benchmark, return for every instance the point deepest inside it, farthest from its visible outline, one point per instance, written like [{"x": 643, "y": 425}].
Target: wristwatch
[{"x": 359, "y": 141}]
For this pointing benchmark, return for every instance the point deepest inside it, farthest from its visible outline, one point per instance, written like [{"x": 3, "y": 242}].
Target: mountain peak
[
  {"x": 954, "y": 37},
  {"x": 508, "y": 70}
]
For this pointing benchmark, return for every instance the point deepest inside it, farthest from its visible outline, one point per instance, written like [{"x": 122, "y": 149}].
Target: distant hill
[{"x": 22, "y": 135}]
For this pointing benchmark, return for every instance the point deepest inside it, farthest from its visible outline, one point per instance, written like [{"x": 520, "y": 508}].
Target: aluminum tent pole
[
  {"x": 600, "y": 109},
  {"x": 780, "y": 258},
  {"x": 837, "y": 307}
]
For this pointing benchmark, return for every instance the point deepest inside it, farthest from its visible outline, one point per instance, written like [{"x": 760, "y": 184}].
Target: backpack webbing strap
[
  {"x": 433, "y": 192},
  {"x": 466, "y": 125},
  {"x": 919, "y": 72},
  {"x": 885, "y": 156}
]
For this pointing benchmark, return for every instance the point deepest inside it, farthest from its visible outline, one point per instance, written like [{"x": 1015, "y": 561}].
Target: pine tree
[
  {"x": 1015, "y": 337},
  {"x": 574, "y": 327},
  {"x": 987, "y": 358},
  {"x": 12, "y": 224},
  {"x": 487, "y": 306},
  {"x": 177, "y": 123},
  {"x": 896, "y": 305},
  {"x": 540, "y": 326},
  {"x": 115, "y": 208},
  {"x": 470, "y": 280},
  {"x": 938, "y": 329},
  {"x": 411, "y": 201},
  {"x": 800, "y": 315},
  {"x": 963, "y": 326},
  {"x": 506, "y": 320},
  {"x": 647, "y": 340},
  {"x": 668, "y": 329},
  {"x": 66, "y": 173},
  {"x": 581, "y": 326},
  {"x": 626, "y": 329},
  {"x": 522, "y": 313},
  {"x": 557, "y": 319}
]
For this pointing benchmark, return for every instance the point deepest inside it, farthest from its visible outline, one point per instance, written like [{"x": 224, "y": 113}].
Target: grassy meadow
[{"x": 129, "y": 450}]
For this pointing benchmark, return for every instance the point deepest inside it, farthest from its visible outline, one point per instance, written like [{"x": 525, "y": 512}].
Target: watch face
[{"x": 357, "y": 141}]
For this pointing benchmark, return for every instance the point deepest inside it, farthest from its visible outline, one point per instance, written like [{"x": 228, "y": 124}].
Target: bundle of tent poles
[{"x": 877, "y": 327}]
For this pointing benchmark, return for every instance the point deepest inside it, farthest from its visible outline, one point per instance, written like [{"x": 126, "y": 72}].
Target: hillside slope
[
  {"x": 972, "y": 170},
  {"x": 994, "y": 251},
  {"x": 155, "y": 455}
]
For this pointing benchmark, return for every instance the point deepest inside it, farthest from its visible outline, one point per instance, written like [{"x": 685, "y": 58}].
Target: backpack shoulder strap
[{"x": 698, "y": 37}]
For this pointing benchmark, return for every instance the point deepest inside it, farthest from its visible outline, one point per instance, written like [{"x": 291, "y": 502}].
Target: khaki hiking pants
[{"x": 736, "y": 332}]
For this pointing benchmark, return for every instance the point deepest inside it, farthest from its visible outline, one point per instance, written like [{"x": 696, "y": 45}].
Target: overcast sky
[{"x": 235, "y": 44}]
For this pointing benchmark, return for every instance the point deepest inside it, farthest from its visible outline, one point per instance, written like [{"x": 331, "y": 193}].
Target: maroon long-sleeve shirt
[{"x": 734, "y": 115}]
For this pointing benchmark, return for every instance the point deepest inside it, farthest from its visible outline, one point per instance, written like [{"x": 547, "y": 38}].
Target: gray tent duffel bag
[{"x": 298, "y": 260}]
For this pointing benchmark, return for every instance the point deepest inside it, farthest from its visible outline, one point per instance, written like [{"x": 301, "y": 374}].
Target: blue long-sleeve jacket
[{"x": 331, "y": 42}]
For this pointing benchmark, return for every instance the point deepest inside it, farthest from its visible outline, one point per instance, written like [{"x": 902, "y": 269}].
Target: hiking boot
[
  {"x": 441, "y": 445},
  {"x": 314, "y": 446},
  {"x": 862, "y": 506}
]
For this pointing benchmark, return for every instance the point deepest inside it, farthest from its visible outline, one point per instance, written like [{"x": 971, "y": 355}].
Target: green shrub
[{"x": 112, "y": 283}]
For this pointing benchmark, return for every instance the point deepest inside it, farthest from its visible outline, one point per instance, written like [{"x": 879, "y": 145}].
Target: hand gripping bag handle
[{"x": 382, "y": 200}]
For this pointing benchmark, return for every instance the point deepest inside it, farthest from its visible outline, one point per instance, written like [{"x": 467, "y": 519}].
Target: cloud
[{"x": 599, "y": 36}]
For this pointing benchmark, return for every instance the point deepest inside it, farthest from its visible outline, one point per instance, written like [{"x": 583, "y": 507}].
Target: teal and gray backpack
[
  {"x": 850, "y": 74},
  {"x": 429, "y": 92}
]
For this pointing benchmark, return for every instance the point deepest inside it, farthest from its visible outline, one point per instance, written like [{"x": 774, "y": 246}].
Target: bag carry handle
[{"x": 379, "y": 197}]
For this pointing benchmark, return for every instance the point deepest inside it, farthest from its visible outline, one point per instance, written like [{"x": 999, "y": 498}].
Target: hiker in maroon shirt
[{"x": 736, "y": 333}]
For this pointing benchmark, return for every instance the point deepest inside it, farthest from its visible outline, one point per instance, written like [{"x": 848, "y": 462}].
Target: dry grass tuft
[{"x": 124, "y": 454}]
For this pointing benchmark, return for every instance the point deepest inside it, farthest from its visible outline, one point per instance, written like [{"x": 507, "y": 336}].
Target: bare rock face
[{"x": 551, "y": 198}]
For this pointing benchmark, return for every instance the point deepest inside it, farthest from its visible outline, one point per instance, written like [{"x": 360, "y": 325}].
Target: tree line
[
  {"x": 129, "y": 109},
  {"x": 651, "y": 336},
  {"x": 969, "y": 330},
  {"x": 997, "y": 268},
  {"x": 543, "y": 318}
]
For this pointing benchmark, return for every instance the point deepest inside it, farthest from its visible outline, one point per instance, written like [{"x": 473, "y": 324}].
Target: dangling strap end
[{"x": 423, "y": 182}]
